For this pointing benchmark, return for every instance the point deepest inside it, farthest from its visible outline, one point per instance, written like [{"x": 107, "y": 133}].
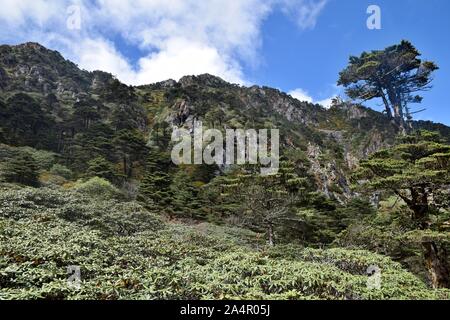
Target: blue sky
[
  {"x": 311, "y": 59},
  {"x": 298, "y": 46}
]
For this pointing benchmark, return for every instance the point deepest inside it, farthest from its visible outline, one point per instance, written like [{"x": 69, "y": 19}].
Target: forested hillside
[{"x": 86, "y": 179}]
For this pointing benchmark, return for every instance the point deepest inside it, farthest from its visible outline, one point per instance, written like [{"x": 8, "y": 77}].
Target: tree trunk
[
  {"x": 397, "y": 107},
  {"x": 420, "y": 207},
  {"x": 130, "y": 169},
  {"x": 125, "y": 166},
  {"x": 386, "y": 104},
  {"x": 437, "y": 265},
  {"x": 271, "y": 235}
]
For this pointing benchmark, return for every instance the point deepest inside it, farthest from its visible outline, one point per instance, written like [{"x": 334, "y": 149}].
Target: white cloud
[
  {"x": 98, "y": 54},
  {"x": 175, "y": 37},
  {"x": 303, "y": 95},
  {"x": 304, "y": 12},
  {"x": 326, "y": 103},
  {"x": 181, "y": 57},
  {"x": 38, "y": 11},
  {"x": 178, "y": 58}
]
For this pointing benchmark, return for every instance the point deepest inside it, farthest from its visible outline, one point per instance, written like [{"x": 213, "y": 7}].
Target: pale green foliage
[
  {"x": 44, "y": 231},
  {"x": 44, "y": 159},
  {"x": 60, "y": 170},
  {"x": 97, "y": 187}
]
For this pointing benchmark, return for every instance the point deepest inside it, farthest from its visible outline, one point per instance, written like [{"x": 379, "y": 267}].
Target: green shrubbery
[
  {"x": 111, "y": 217},
  {"x": 60, "y": 170},
  {"x": 97, "y": 187},
  {"x": 126, "y": 252}
]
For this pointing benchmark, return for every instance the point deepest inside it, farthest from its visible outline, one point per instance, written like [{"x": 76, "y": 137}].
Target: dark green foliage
[
  {"x": 22, "y": 169},
  {"x": 187, "y": 201},
  {"x": 86, "y": 112},
  {"x": 154, "y": 189},
  {"x": 130, "y": 147},
  {"x": 322, "y": 220},
  {"x": 62, "y": 171},
  {"x": 100, "y": 167},
  {"x": 24, "y": 122},
  {"x": 128, "y": 117},
  {"x": 221, "y": 206},
  {"x": 394, "y": 74},
  {"x": 413, "y": 170},
  {"x": 104, "y": 134},
  {"x": 115, "y": 90},
  {"x": 266, "y": 200},
  {"x": 2, "y": 136}
]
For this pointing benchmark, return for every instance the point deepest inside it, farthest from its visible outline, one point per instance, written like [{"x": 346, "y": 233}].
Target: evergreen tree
[
  {"x": 128, "y": 117},
  {"x": 219, "y": 197},
  {"x": 22, "y": 169},
  {"x": 186, "y": 199},
  {"x": 117, "y": 91},
  {"x": 102, "y": 168},
  {"x": 24, "y": 121},
  {"x": 130, "y": 147},
  {"x": 394, "y": 74},
  {"x": 154, "y": 190},
  {"x": 2, "y": 136},
  {"x": 86, "y": 112},
  {"x": 97, "y": 141},
  {"x": 417, "y": 171},
  {"x": 267, "y": 201},
  {"x": 414, "y": 170}
]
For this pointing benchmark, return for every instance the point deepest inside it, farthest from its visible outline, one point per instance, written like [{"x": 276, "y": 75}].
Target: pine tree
[
  {"x": 266, "y": 201},
  {"x": 86, "y": 112},
  {"x": 394, "y": 74},
  {"x": 97, "y": 141},
  {"x": 22, "y": 169},
  {"x": 417, "y": 171},
  {"x": 414, "y": 170},
  {"x": 25, "y": 122},
  {"x": 130, "y": 147},
  {"x": 102, "y": 168},
  {"x": 154, "y": 190},
  {"x": 186, "y": 196}
]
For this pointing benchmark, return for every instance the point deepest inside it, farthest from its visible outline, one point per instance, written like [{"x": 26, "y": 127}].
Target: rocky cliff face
[{"x": 329, "y": 142}]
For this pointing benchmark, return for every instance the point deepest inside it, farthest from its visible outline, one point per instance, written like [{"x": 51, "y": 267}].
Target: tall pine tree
[
  {"x": 266, "y": 201},
  {"x": 154, "y": 190},
  {"x": 417, "y": 170}
]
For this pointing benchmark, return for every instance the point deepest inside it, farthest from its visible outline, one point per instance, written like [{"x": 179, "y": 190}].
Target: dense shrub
[
  {"x": 110, "y": 217},
  {"x": 97, "y": 187},
  {"x": 60, "y": 170},
  {"x": 125, "y": 252}
]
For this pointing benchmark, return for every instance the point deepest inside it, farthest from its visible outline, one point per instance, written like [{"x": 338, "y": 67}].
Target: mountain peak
[
  {"x": 32, "y": 45},
  {"x": 205, "y": 79}
]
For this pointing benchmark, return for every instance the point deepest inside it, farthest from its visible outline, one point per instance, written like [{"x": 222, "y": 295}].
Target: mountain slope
[
  {"x": 70, "y": 101},
  {"x": 109, "y": 199}
]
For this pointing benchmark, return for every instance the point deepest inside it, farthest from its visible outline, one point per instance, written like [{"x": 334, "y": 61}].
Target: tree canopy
[{"x": 394, "y": 74}]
